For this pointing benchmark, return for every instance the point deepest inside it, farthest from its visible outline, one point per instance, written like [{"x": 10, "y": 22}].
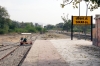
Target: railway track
[
  {"x": 20, "y": 63},
  {"x": 10, "y": 50},
  {"x": 7, "y": 50},
  {"x": 8, "y": 53},
  {"x": 13, "y": 44}
]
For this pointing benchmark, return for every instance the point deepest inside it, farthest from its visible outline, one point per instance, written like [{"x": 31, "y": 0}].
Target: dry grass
[
  {"x": 53, "y": 36},
  {"x": 16, "y": 38}
]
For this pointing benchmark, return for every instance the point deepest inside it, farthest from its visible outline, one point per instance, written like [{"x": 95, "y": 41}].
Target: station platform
[{"x": 43, "y": 53}]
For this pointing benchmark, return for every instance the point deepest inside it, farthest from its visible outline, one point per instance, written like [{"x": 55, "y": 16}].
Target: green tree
[
  {"x": 4, "y": 20},
  {"x": 49, "y": 27},
  {"x": 14, "y": 24},
  {"x": 67, "y": 26},
  {"x": 91, "y": 4},
  {"x": 60, "y": 25},
  {"x": 3, "y": 13}
]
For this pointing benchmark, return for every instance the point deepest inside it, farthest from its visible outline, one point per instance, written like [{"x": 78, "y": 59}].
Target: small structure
[
  {"x": 26, "y": 33},
  {"x": 25, "y": 40}
]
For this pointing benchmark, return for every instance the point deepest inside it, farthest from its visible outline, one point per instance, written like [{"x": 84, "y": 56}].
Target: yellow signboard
[{"x": 81, "y": 20}]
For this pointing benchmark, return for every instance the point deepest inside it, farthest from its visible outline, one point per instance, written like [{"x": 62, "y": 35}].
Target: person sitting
[
  {"x": 25, "y": 40},
  {"x": 21, "y": 39}
]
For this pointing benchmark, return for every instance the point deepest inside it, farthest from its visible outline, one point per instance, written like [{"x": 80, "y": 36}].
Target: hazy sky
[{"x": 42, "y": 11}]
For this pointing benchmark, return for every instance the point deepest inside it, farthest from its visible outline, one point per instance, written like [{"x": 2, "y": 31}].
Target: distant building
[{"x": 37, "y": 25}]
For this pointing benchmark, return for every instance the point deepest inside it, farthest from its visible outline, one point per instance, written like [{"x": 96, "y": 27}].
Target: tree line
[
  {"x": 10, "y": 26},
  {"x": 66, "y": 26}
]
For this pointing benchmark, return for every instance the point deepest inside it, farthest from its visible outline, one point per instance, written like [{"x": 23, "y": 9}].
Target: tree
[
  {"x": 59, "y": 25},
  {"x": 67, "y": 23},
  {"x": 14, "y": 24},
  {"x": 48, "y": 27},
  {"x": 93, "y": 4},
  {"x": 3, "y": 13},
  {"x": 4, "y": 20},
  {"x": 67, "y": 26}
]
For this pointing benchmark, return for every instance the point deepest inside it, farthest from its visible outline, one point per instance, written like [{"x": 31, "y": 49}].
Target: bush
[
  {"x": 39, "y": 29},
  {"x": 10, "y": 30},
  {"x": 44, "y": 30},
  {"x": 32, "y": 30},
  {"x": 20, "y": 30},
  {"x": 2, "y": 31}
]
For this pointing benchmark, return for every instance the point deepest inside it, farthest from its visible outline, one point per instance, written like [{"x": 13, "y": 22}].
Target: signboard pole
[
  {"x": 79, "y": 26},
  {"x": 72, "y": 29},
  {"x": 91, "y": 27},
  {"x": 85, "y": 30}
]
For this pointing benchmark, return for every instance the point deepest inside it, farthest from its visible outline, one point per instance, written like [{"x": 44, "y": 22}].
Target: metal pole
[
  {"x": 79, "y": 15},
  {"x": 72, "y": 29},
  {"x": 91, "y": 28},
  {"x": 86, "y": 16},
  {"x": 79, "y": 8}
]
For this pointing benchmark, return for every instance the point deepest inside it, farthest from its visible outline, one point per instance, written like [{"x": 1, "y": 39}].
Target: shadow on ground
[
  {"x": 90, "y": 50},
  {"x": 46, "y": 63}
]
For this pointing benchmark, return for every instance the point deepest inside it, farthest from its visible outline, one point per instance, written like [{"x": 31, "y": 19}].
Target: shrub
[
  {"x": 32, "y": 30},
  {"x": 2, "y": 31}
]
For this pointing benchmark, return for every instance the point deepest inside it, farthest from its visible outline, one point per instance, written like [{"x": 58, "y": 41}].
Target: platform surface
[
  {"x": 63, "y": 52},
  {"x": 43, "y": 53}
]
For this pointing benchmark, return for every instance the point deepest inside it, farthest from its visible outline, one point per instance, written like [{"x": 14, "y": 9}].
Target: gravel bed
[
  {"x": 5, "y": 52},
  {"x": 78, "y": 52},
  {"x": 9, "y": 44},
  {"x": 6, "y": 47},
  {"x": 14, "y": 58}
]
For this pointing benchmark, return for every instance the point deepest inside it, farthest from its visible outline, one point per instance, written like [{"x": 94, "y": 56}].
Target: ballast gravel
[{"x": 14, "y": 58}]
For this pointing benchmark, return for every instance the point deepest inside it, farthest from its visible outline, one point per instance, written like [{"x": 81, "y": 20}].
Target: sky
[{"x": 42, "y": 11}]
